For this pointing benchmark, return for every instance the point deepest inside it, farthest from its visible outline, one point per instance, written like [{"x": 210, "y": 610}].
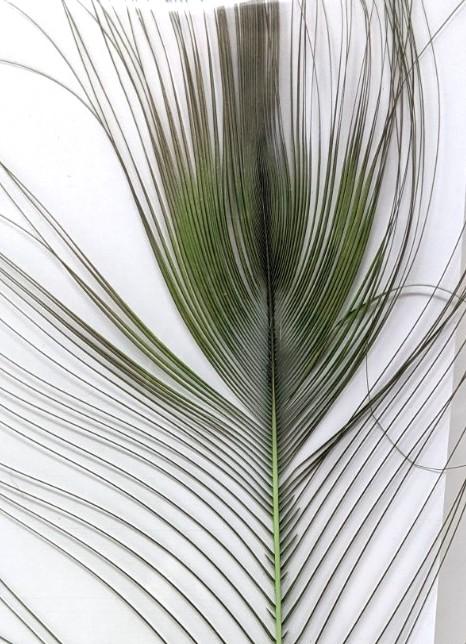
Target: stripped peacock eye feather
[{"x": 281, "y": 161}]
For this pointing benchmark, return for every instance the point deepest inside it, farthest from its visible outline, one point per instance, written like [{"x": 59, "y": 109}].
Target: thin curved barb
[{"x": 281, "y": 163}]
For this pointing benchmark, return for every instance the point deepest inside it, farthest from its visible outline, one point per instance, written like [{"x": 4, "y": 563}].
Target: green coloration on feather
[{"x": 259, "y": 161}]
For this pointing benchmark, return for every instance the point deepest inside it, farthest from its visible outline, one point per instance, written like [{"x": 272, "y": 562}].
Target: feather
[{"x": 276, "y": 157}]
